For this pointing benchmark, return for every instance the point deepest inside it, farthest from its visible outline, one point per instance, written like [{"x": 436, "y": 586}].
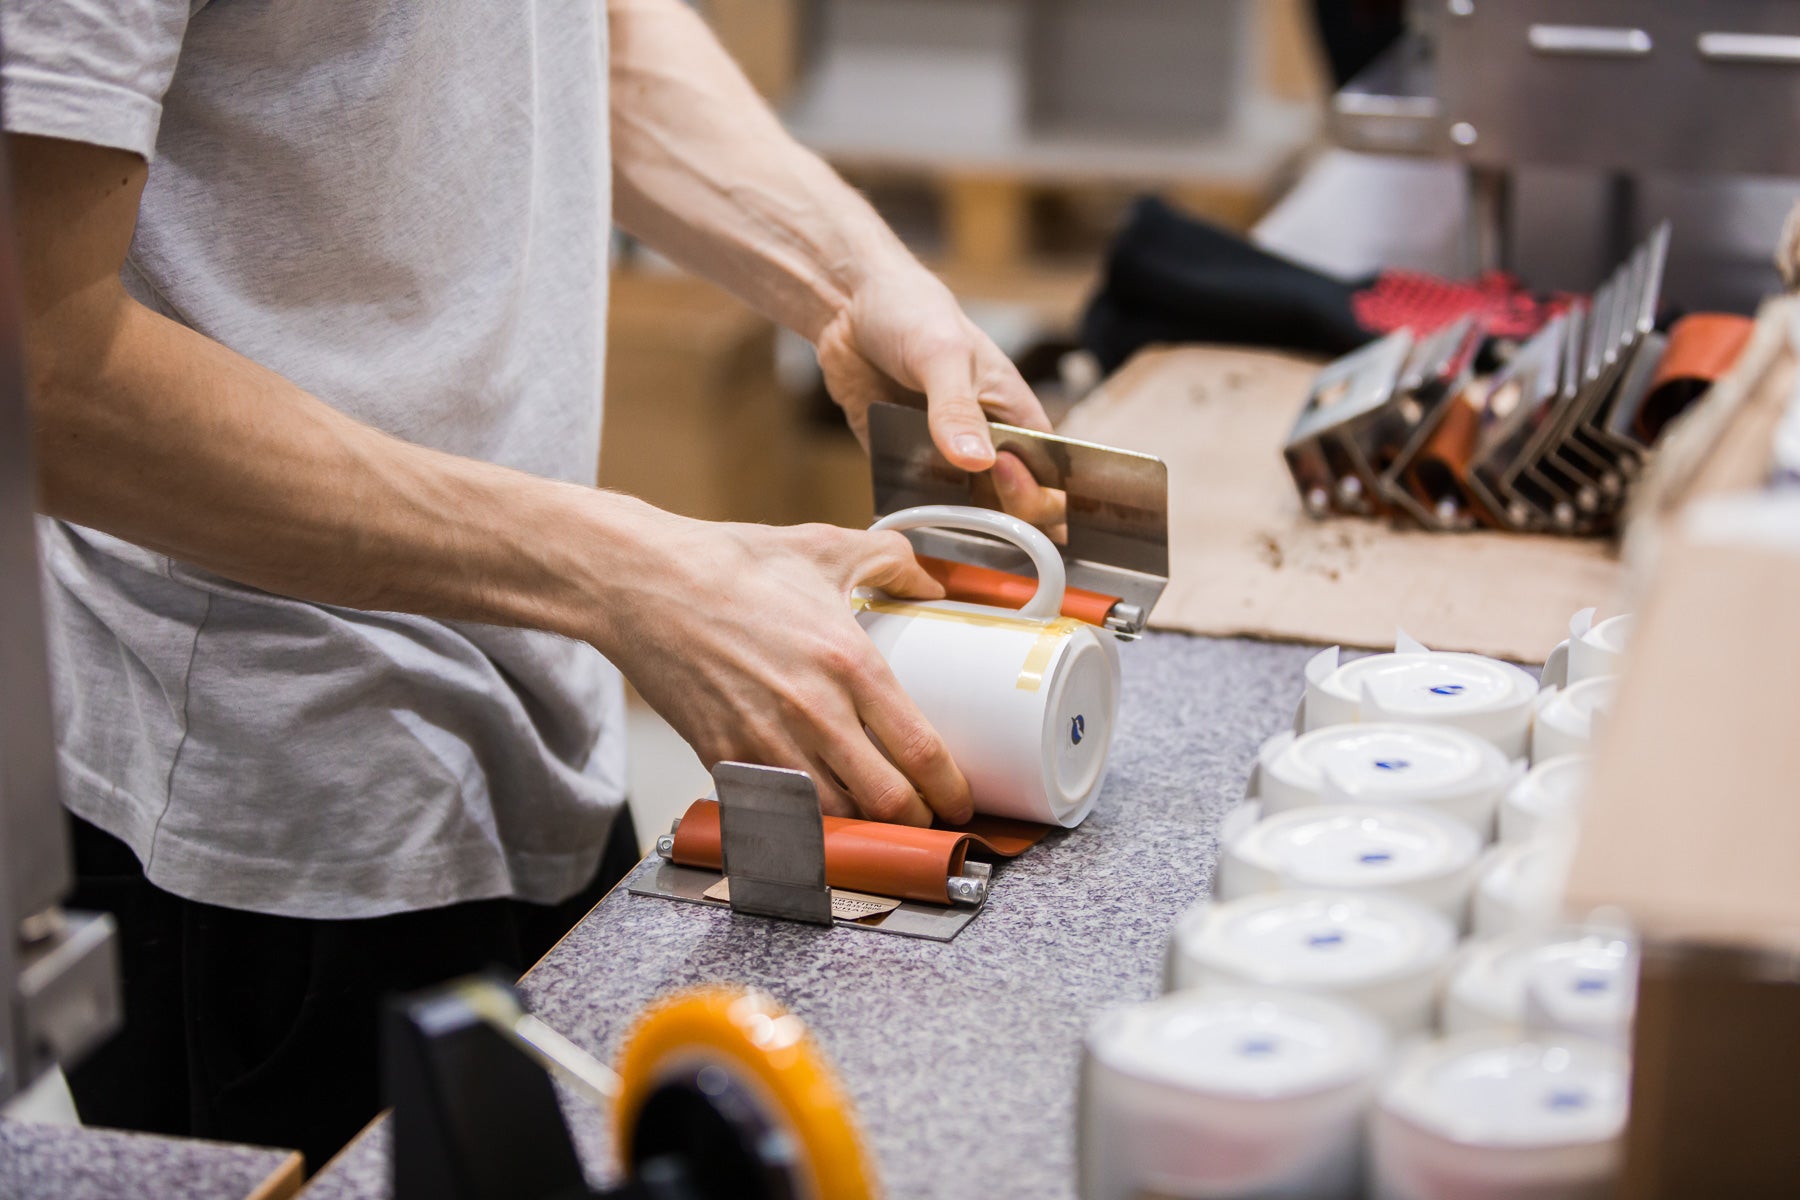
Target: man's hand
[
  {"x": 743, "y": 638},
  {"x": 902, "y": 333}
]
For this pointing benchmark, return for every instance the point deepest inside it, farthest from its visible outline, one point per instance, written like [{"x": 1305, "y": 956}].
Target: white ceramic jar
[
  {"x": 1413, "y": 853},
  {"x": 1488, "y": 1116},
  {"x": 1438, "y": 767},
  {"x": 1548, "y": 799},
  {"x": 1383, "y": 954},
  {"x": 1026, "y": 700},
  {"x": 1566, "y": 717},
  {"x": 1486, "y": 697},
  {"x": 1227, "y": 1092}
]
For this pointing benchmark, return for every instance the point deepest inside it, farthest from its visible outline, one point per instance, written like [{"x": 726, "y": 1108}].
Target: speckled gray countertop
[
  {"x": 61, "y": 1162},
  {"x": 962, "y": 1056}
]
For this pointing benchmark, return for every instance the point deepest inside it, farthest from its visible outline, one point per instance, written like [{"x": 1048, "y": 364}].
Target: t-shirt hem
[
  {"x": 352, "y": 889},
  {"x": 79, "y": 110}
]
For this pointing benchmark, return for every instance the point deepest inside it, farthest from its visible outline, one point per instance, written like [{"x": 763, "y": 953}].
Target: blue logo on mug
[
  {"x": 1392, "y": 764},
  {"x": 1077, "y": 730},
  {"x": 1374, "y": 856},
  {"x": 1566, "y": 1100},
  {"x": 1325, "y": 939},
  {"x": 1448, "y": 689}
]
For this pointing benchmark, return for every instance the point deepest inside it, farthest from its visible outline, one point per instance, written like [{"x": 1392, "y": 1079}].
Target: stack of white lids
[
  {"x": 1415, "y": 853},
  {"x": 1438, "y": 767}
]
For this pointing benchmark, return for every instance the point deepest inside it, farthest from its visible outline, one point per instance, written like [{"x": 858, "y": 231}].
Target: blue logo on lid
[
  {"x": 1321, "y": 940},
  {"x": 1566, "y": 1100},
  {"x": 1373, "y": 857},
  {"x": 1256, "y": 1047},
  {"x": 1448, "y": 689},
  {"x": 1592, "y": 984},
  {"x": 1391, "y": 764},
  {"x": 1077, "y": 730}
]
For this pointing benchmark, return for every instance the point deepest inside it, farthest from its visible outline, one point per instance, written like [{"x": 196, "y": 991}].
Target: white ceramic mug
[
  {"x": 1522, "y": 884},
  {"x": 1384, "y": 954},
  {"x": 1435, "y": 767},
  {"x": 1579, "y": 981},
  {"x": 1227, "y": 1092},
  {"x": 1415, "y": 853},
  {"x": 1026, "y": 700},
  {"x": 1487, "y": 697},
  {"x": 1548, "y": 799},
  {"x": 1488, "y": 1116},
  {"x": 1590, "y": 650},
  {"x": 1566, "y": 718}
]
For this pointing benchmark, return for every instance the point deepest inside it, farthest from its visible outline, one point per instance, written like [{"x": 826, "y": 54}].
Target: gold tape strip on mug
[{"x": 1037, "y": 660}]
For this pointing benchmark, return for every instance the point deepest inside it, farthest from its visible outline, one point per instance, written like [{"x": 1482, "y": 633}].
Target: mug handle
[{"x": 1046, "y": 603}]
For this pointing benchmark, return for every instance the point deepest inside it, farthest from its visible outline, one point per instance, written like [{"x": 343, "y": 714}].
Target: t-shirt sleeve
[{"x": 89, "y": 70}]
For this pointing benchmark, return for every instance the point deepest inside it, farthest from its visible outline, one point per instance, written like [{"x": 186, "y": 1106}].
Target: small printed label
[
  {"x": 1391, "y": 764},
  {"x": 845, "y": 906},
  {"x": 1325, "y": 941},
  {"x": 1077, "y": 730},
  {"x": 1448, "y": 689},
  {"x": 1566, "y": 1100}
]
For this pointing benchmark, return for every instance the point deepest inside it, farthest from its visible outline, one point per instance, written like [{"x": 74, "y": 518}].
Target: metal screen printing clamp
[
  {"x": 771, "y": 845},
  {"x": 1116, "y": 554},
  {"x": 1334, "y": 448}
]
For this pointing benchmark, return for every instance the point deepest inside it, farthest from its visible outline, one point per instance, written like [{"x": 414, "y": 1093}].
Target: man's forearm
[
  {"x": 704, "y": 172},
  {"x": 161, "y": 436}
]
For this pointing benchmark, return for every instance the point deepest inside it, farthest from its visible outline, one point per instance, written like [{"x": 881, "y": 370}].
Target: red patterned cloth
[{"x": 1423, "y": 303}]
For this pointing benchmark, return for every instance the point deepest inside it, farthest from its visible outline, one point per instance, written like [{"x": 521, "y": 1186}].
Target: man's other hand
[{"x": 903, "y": 333}]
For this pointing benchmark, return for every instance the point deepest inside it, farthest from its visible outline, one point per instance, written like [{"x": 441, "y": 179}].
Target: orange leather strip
[
  {"x": 901, "y": 861},
  {"x": 1701, "y": 348},
  {"x": 1443, "y": 462},
  {"x": 984, "y": 585}
]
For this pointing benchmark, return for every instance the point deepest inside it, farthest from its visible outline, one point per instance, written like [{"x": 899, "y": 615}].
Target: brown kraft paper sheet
[{"x": 1246, "y": 560}]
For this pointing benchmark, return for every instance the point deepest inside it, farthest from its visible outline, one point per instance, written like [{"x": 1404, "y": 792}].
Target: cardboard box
[{"x": 696, "y": 421}]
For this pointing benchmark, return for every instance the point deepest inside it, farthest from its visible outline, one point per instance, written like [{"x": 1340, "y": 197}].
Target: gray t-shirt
[{"x": 403, "y": 207}]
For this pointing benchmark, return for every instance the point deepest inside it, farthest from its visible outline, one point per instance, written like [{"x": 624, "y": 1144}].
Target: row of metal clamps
[
  {"x": 1377, "y": 997},
  {"x": 1550, "y": 444}
]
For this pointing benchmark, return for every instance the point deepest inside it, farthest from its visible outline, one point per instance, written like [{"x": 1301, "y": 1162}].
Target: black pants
[{"x": 251, "y": 1028}]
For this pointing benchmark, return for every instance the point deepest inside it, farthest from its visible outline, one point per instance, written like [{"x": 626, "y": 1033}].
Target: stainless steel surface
[
  {"x": 1622, "y": 84},
  {"x": 772, "y": 839},
  {"x": 69, "y": 987},
  {"x": 1591, "y": 41},
  {"x": 58, "y": 991},
  {"x": 1118, "y": 506},
  {"x": 1391, "y": 107},
  {"x": 666, "y": 881},
  {"x": 1770, "y": 48},
  {"x": 665, "y": 845}
]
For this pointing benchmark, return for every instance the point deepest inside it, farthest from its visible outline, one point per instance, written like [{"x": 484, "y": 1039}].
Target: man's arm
[
  {"x": 704, "y": 172},
  {"x": 741, "y": 635}
]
